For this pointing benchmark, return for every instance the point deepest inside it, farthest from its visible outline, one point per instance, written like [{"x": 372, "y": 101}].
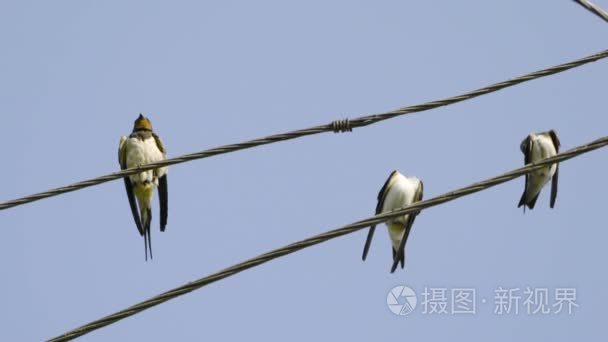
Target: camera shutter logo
[{"x": 401, "y": 300}]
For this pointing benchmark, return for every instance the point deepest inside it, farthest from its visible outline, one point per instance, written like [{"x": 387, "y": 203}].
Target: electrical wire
[
  {"x": 344, "y": 125},
  {"x": 350, "y": 228},
  {"x": 595, "y": 9}
]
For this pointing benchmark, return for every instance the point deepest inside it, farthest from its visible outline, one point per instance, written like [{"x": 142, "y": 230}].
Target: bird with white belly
[
  {"x": 142, "y": 147},
  {"x": 535, "y": 147},
  {"x": 398, "y": 191}
]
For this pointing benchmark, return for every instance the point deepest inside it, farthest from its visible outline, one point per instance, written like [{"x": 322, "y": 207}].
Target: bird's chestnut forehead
[{"x": 142, "y": 123}]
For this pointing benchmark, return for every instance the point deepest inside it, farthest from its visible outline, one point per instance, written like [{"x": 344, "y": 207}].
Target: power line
[
  {"x": 595, "y": 9},
  {"x": 353, "y": 227},
  {"x": 335, "y": 126}
]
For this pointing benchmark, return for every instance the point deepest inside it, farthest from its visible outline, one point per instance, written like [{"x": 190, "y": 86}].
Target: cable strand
[
  {"x": 331, "y": 127},
  {"x": 350, "y": 228},
  {"x": 593, "y": 8}
]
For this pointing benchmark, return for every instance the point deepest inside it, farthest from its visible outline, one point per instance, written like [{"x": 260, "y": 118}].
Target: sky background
[{"x": 75, "y": 74}]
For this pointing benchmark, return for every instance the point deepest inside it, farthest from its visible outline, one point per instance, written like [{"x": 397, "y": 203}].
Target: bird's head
[
  {"x": 142, "y": 123},
  {"x": 525, "y": 144}
]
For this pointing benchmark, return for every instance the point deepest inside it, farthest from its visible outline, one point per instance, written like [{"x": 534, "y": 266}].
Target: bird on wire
[
  {"x": 397, "y": 192},
  {"x": 143, "y": 146},
  {"x": 537, "y": 146}
]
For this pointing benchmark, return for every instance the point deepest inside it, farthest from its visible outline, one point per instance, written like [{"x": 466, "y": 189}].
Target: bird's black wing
[
  {"x": 372, "y": 229},
  {"x": 526, "y": 150},
  {"x": 122, "y": 155},
  {"x": 400, "y": 254},
  {"x": 554, "y": 179},
  {"x": 163, "y": 192},
  {"x": 164, "y": 199}
]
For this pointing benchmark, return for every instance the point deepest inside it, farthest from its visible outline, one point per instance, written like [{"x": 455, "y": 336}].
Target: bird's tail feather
[
  {"x": 146, "y": 219},
  {"x": 533, "y": 202},
  {"x": 396, "y": 262},
  {"x": 530, "y": 204},
  {"x": 149, "y": 233},
  {"x": 368, "y": 241},
  {"x": 522, "y": 201}
]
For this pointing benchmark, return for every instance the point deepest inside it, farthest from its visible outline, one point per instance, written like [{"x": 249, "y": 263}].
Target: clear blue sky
[{"x": 75, "y": 74}]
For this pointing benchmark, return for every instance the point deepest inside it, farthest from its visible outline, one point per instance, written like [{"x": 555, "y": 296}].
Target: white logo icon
[{"x": 401, "y": 300}]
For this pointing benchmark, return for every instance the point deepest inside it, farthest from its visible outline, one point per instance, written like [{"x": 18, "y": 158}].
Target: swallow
[
  {"x": 397, "y": 192},
  {"x": 143, "y": 146},
  {"x": 536, "y": 147}
]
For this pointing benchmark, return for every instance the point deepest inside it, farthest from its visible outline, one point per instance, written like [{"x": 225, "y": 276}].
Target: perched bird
[
  {"x": 398, "y": 191},
  {"x": 536, "y": 147},
  {"x": 143, "y": 146}
]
